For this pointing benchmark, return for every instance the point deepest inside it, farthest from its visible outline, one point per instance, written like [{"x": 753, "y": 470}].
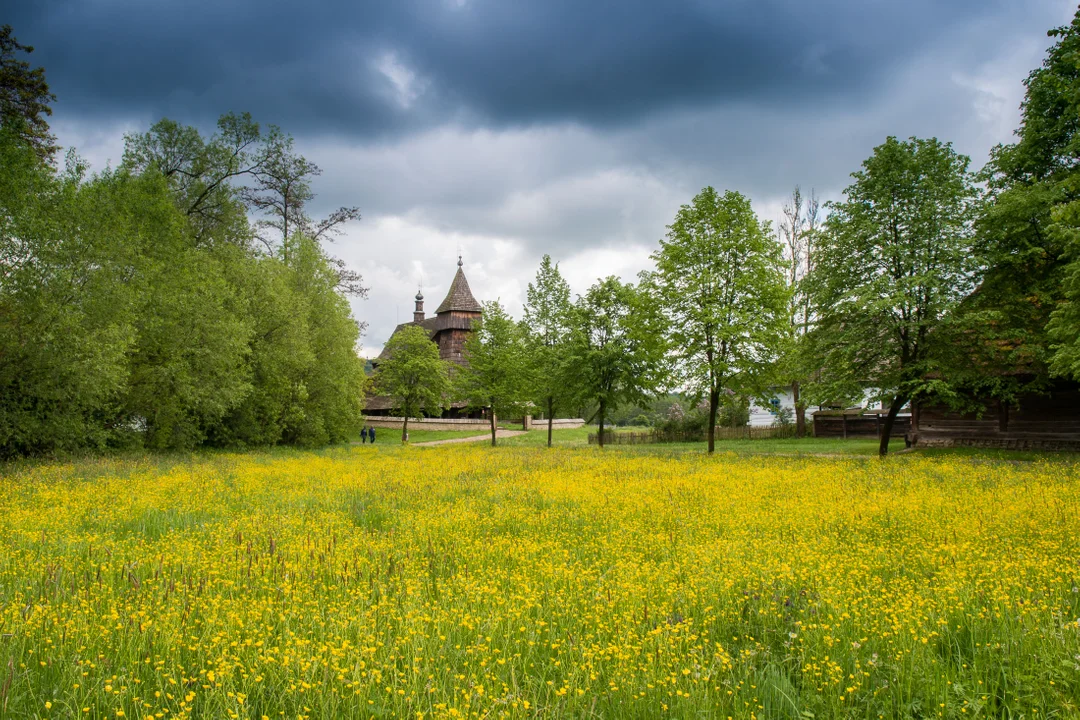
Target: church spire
[{"x": 460, "y": 297}]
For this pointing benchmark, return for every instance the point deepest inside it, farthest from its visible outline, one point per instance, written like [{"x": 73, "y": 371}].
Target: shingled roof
[
  {"x": 430, "y": 324},
  {"x": 460, "y": 297}
]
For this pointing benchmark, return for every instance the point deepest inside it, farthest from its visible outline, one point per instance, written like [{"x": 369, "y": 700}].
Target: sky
[{"x": 502, "y": 130}]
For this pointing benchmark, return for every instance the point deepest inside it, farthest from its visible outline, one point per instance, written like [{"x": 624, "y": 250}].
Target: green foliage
[
  {"x": 1064, "y": 327},
  {"x": 125, "y": 319},
  {"x": 66, "y": 324},
  {"x": 413, "y": 375},
  {"x": 548, "y": 326},
  {"x": 894, "y": 261},
  {"x": 1027, "y": 237},
  {"x": 720, "y": 284},
  {"x": 498, "y": 370},
  {"x": 652, "y": 412},
  {"x": 241, "y": 169},
  {"x": 24, "y": 97},
  {"x": 334, "y": 382},
  {"x": 617, "y": 347}
]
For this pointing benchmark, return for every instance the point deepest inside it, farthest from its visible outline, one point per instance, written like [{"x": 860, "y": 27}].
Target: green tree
[
  {"x": 206, "y": 176},
  {"x": 720, "y": 282},
  {"x": 24, "y": 97},
  {"x": 1024, "y": 234},
  {"x": 1064, "y": 327},
  {"x": 127, "y": 316},
  {"x": 334, "y": 384},
  {"x": 187, "y": 366},
  {"x": 617, "y": 347},
  {"x": 66, "y": 316},
  {"x": 413, "y": 375},
  {"x": 497, "y": 373},
  {"x": 1051, "y": 124},
  {"x": 890, "y": 268},
  {"x": 547, "y": 319},
  {"x": 240, "y": 169},
  {"x": 280, "y": 354}
]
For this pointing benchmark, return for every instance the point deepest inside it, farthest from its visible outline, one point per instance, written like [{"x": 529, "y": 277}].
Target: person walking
[
  {"x": 363, "y": 435},
  {"x": 371, "y": 435}
]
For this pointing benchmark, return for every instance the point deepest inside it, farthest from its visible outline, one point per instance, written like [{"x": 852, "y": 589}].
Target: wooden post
[{"x": 843, "y": 422}]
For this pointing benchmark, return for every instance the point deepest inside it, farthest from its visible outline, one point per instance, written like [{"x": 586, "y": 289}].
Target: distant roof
[
  {"x": 429, "y": 324},
  {"x": 460, "y": 297}
]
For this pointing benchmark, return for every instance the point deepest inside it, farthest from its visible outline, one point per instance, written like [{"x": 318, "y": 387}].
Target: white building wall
[{"x": 761, "y": 416}]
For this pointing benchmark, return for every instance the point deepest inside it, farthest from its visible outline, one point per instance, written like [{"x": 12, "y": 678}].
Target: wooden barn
[{"x": 1049, "y": 421}]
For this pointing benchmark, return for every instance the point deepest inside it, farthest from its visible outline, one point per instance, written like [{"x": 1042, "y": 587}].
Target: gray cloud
[
  {"x": 507, "y": 130},
  {"x": 368, "y": 69}
]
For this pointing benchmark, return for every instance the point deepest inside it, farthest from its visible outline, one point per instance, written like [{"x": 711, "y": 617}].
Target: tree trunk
[
  {"x": 551, "y": 415},
  {"x": 886, "y": 432},
  {"x": 492, "y": 426},
  {"x": 800, "y": 410},
  {"x": 714, "y": 404},
  {"x": 405, "y": 429},
  {"x": 600, "y": 437}
]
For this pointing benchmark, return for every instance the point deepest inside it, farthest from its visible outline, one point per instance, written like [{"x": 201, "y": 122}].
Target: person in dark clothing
[{"x": 371, "y": 435}]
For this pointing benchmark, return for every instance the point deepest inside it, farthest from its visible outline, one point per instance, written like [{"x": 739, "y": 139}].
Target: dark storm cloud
[{"x": 315, "y": 67}]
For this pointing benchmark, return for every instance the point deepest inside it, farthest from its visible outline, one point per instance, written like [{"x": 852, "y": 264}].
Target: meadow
[{"x": 462, "y": 581}]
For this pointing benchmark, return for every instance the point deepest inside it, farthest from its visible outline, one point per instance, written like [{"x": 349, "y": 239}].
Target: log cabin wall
[{"x": 1036, "y": 422}]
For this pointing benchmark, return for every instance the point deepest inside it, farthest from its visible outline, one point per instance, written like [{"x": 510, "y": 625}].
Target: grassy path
[{"x": 499, "y": 434}]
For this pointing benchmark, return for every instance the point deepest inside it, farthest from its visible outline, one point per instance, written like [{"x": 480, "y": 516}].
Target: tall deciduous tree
[
  {"x": 241, "y": 167},
  {"x": 1023, "y": 238},
  {"x": 618, "y": 346},
  {"x": 890, "y": 268},
  {"x": 24, "y": 97},
  {"x": 413, "y": 375},
  {"x": 66, "y": 320},
  {"x": 797, "y": 231},
  {"x": 720, "y": 278},
  {"x": 1051, "y": 124},
  {"x": 497, "y": 374},
  {"x": 548, "y": 322}
]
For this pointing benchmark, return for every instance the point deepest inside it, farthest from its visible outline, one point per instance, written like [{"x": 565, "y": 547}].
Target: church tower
[
  {"x": 455, "y": 318},
  {"x": 418, "y": 311}
]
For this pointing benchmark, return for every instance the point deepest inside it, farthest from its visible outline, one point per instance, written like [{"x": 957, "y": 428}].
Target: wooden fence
[
  {"x": 770, "y": 432},
  {"x": 845, "y": 425}
]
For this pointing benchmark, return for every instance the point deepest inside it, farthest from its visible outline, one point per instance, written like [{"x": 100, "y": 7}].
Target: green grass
[
  {"x": 1002, "y": 455},
  {"x": 824, "y": 446},
  {"x": 866, "y": 447}
]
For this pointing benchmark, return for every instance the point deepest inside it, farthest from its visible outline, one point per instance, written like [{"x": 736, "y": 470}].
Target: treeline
[
  {"x": 140, "y": 306},
  {"x": 928, "y": 281}
]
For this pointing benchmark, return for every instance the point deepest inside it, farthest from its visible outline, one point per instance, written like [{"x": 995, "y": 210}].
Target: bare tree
[
  {"x": 797, "y": 231},
  {"x": 281, "y": 191}
]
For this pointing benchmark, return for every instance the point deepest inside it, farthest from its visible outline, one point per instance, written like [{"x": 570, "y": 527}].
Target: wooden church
[{"x": 449, "y": 329}]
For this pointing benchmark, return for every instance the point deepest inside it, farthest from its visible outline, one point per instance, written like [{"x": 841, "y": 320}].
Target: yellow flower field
[{"x": 465, "y": 582}]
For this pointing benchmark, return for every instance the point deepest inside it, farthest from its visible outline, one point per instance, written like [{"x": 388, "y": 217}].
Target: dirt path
[{"x": 477, "y": 438}]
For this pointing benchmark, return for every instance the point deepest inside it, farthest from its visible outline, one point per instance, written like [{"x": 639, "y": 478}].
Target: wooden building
[
  {"x": 1049, "y": 421},
  {"x": 858, "y": 423},
  {"x": 449, "y": 329}
]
